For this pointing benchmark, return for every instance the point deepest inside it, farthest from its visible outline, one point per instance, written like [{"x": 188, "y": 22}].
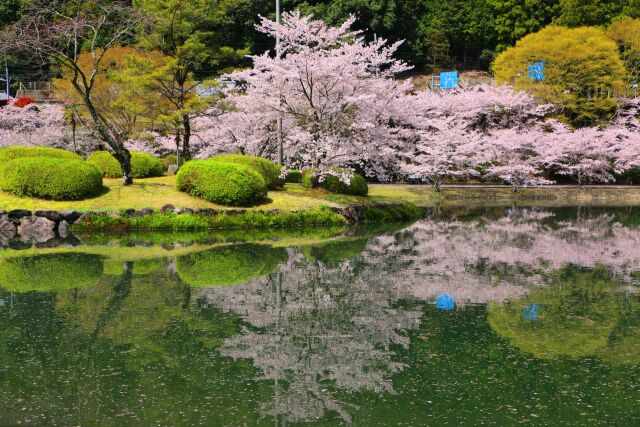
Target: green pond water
[{"x": 503, "y": 316}]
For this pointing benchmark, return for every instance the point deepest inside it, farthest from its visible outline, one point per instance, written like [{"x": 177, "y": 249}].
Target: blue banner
[
  {"x": 449, "y": 80},
  {"x": 536, "y": 71}
]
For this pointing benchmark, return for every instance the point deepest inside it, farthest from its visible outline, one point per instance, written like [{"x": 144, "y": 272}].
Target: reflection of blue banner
[
  {"x": 531, "y": 312},
  {"x": 536, "y": 71},
  {"x": 449, "y": 80},
  {"x": 445, "y": 302}
]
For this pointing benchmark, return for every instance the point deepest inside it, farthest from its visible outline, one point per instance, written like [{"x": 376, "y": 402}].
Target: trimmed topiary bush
[
  {"x": 142, "y": 165},
  {"x": 357, "y": 187},
  {"x": 50, "y": 178},
  {"x": 229, "y": 265},
  {"x": 269, "y": 171},
  {"x": 294, "y": 177},
  {"x": 50, "y": 272},
  {"x": 18, "y": 152},
  {"x": 229, "y": 184}
]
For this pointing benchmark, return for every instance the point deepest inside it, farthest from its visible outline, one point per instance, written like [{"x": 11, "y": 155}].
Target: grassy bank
[
  {"x": 195, "y": 221},
  {"x": 157, "y": 192}
]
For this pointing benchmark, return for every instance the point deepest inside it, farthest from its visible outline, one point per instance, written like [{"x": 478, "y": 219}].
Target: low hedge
[
  {"x": 51, "y": 272},
  {"x": 18, "y": 152},
  {"x": 230, "y": 184},
  {"x": 269, "y": 171},
  {"x": 50, "y": 178},
  {"x": 142, "y": 165},
  {"x": 294, "y": 177},
  {"x": 229, "y": 265},
  {"x": 356, "y": 187}
]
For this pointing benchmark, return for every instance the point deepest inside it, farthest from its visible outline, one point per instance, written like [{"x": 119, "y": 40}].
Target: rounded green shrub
[
  {"x": 143, "y": 165},
  {"x": 229, "y": 265},
  {"x": 229, "y": 184},
  {"x": 294, "y": 177},
  {"x": 52, "y": 272},
  {"x": 17, "y": 152},
  {"x": 356, "y": 187},
  {"x": 269, "y": 171},
  {"x": 50, "y": 178}
]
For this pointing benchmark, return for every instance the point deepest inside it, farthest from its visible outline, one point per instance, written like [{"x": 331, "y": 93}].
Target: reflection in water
[{"x": 529, "y": 315}]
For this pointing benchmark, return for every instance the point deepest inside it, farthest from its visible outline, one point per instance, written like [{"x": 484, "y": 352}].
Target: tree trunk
[
  {"x": 124, "y": 158},
  {"x": 186, "y": 127},
  {"x": 121, "y": 154}
]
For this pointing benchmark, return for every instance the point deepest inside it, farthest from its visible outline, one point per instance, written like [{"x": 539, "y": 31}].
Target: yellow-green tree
[
  {"x": 123, "y": 115},
  {"x": 626, "y": 33},
  {"x": 150, "y": 78},
  {"x": 582, "y": 71}
]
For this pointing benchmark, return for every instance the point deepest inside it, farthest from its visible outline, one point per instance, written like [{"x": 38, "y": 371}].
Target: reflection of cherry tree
[
  {"x": 480, "y": 261},
  {"x": 313, "y": 328},
  {"x": 326, "y": 327}
]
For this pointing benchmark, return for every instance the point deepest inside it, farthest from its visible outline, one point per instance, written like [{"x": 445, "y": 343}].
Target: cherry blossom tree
[{"x": 334, "y": 91}]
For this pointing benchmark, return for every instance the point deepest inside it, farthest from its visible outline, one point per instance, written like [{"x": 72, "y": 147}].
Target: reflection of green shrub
[
  {"x": 142, "y": 165},
  {"x": 141, "y": 267},
  {"x": 229, "y": 265},
  {"x": 224, "y": 183},
  {"x": 336, "y": 251},
  {"x": 50, "y": 272},
  {"x": 576, "y": 315},
  {"x": 356, "y": 187},
  {"x": 50, "y": 178},
  {"x": 18, "y": 152},
  {"x": 269, "y": 171}
]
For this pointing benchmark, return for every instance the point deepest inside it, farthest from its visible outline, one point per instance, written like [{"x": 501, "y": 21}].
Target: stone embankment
[{"x": 23, "y": 228}]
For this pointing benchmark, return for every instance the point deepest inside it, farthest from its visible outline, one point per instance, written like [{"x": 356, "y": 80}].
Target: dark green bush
[
  {"x": 229, "y": 265},
  {"x": 357, "y": 187},
  {"x": 142, "y": 165},
  {"x": 269, "y": 171},
  {"x": 50, "y": 178},
  {"x": 294, "y": 176},
  {"x": 630, "y": 176},
  {"x": 50, "y": 272},
  {"x": 169, "y": 160},
  {"x": 17, "y": 152},
  {"x": 308, "y": 179},
  {"x": 229, "y": 184}
]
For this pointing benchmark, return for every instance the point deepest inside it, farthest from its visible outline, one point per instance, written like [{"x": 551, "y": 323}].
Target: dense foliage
[
  {"x": 269, "y": 171},
  {"x": 582, "y": 71},
  {"x": 50, "y": 178},
  {"x": 142, "y": 165},
  {"x": 230, "y": 184}
]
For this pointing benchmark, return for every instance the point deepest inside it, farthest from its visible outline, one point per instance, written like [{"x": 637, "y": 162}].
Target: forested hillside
[{"x": 437, "y": 34}]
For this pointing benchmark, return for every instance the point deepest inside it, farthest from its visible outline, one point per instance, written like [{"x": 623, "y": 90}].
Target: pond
[{"x": 497, "y": 316}]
